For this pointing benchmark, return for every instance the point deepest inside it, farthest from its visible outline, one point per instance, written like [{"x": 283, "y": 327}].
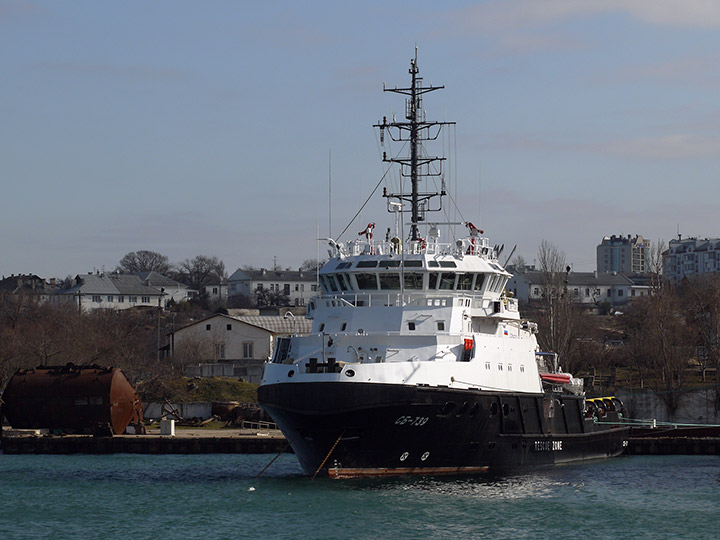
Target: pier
[{"x": 185, "y": 441}]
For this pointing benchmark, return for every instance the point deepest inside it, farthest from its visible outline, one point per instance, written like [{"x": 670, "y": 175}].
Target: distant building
[
  {"x": 226, "y": 346},
  {"x": 29, "y": 284},
  {"x": 621, "y": 254},
  {"x": 591, "y": 289},
  {"x": 299, "y": 286},
  {"x": 216, "y": 290},
  {"x": 109, "y": 291},
  {"x": 174, "y": 291},
  {"x": 691, "y": 257}
]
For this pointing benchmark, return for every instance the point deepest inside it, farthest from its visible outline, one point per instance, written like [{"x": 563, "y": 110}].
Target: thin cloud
[
  {"x": 683, "y": 71},
  {"x": 669, "y": 146},
  {"x": 498, "y": 16},
  {"x": 134, "y": 72}
]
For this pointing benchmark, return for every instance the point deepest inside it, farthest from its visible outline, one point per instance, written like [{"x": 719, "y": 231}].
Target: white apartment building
[
  {"x": 626, "y": 255},
  {"x": 299, "y": 286},
  {"x": 691, "y": 257}
]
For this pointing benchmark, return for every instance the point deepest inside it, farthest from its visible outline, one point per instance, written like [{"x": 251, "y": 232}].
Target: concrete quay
[
  {"x": 185, "y": 441},
  {"x": 674, "y": 446}
]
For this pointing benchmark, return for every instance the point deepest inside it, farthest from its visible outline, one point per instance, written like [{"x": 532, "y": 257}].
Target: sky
[{"x": 243, "y": 129}]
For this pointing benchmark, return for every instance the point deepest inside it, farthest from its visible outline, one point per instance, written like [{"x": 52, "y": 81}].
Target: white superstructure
[{"x": 435, "y": 314}]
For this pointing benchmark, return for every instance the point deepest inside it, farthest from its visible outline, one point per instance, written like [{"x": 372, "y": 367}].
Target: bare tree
[
  {"x": 518, "y": 261},
  {"x": 655, "y": 264},
  {"x": 144, "y": 261},
  {"x": 312, "y": 264},
  {"x": 659, "y": 344},
  {"x": 702, "y": 300},
  {"x": 559, "y": 315},
  {"x": 200, "y": 271},
  {"x": 268, "y": 298}
]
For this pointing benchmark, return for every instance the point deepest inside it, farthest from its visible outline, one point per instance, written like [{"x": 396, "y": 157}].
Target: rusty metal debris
[{"x": 72, "y": 399}]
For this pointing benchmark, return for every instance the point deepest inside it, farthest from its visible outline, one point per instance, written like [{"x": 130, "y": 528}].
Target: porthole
[
  {"x": 463, "y": 408},
  {"x": 425, "y": 456},
  {"x": 350, "y": 373},
  {"x": 291, "y": 373},
  {"x": 493, "y": 409},
  {"x": 448, "y": 408},
  {"x": 404, "y": 456}
]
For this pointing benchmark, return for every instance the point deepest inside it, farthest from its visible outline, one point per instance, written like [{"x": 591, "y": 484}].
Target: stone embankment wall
[{"x": 699, "y": 406}]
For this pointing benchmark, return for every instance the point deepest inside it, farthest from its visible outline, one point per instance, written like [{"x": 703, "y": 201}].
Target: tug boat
[{"x": 418, "y": 361}]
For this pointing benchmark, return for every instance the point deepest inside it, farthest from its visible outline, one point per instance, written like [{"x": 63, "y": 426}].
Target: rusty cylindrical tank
[{"x": 77, "y": 399}]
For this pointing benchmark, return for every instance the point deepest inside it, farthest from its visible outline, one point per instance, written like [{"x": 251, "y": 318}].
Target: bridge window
[
  {"x": 342, "y": 282},
  {"x": 464, "y": 282},
  {"x": 413, "y": 280},
  {"x": 447, "y": 281},
  {"x": 479, "y": 279},
  {"x": 366, "y": 282},
  {"x": 433, "y": 281},
  {"x": 390, "y": 281}
]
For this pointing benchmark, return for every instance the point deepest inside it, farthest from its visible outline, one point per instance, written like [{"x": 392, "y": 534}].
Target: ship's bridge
[{"x": 379, "y": 276}]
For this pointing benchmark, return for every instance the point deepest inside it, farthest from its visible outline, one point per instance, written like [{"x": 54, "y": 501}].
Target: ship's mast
[{"x": 417, "y": 166}]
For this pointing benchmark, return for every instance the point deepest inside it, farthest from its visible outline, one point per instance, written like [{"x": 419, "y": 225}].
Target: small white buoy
[{"x": 251, "y": 489}]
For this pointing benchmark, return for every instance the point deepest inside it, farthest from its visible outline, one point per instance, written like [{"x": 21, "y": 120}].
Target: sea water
[{"x": 216, "y": 496}]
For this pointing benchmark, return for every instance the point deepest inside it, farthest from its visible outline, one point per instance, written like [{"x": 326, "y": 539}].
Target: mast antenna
[{"x": 417, "y": 166}]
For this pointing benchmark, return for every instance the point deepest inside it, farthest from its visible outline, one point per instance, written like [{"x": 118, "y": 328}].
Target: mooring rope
[
  {"x": 328, "y": 456},
  {"x": 649, "y": 423},
  {"x": 271, "y": 461}
]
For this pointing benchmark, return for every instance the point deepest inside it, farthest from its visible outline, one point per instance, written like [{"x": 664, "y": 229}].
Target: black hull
[{"x": 356, "y": 429}]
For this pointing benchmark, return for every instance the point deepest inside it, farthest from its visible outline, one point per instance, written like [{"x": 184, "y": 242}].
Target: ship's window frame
[
  {"x": 433, "y": 280},
  {"x": 321, "y": 327},
  {"x": 365, "y": 280},
  {"x": 411, "y": 326},
  {"x": 487, "y": 365},
  {"x": 464, "y": 281},
  {"x": 389, "y": 264},
  {"x": 433, "y": 264},
  {"x": 413, "y": 280},
  {"x": 479, "y": 280},
  {"x": 413, "y": 264},
  {"x": 522, "y": 368},
  {"x": 389, "y": 281},
  {"x": 447, "y": 281},
  {"x": 343, "y": 327},
  {"x": 344, "y": 282},
  {"x": 448, "y": 264},
  {"x": 334, "y": 287},
  {"x": 500, "y": 367},
  {"x": 441, "y": 326},
  {"x": 366, "y": 264}
]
